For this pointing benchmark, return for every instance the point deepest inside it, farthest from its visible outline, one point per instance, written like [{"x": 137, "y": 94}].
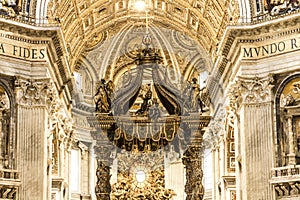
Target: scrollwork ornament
[{"x": 287, "y": 189}]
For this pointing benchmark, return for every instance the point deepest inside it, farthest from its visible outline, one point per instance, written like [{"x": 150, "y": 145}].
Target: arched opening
[{"x": 288, "y": 122}]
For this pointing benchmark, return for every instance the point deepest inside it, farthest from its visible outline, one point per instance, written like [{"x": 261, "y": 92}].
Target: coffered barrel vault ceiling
[{"x": 86, "y": 22}]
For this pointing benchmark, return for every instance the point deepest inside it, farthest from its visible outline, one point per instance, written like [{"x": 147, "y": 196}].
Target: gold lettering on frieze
[
  {"x": 37, "y": 53},
  {"x": 274, "y": 48}
]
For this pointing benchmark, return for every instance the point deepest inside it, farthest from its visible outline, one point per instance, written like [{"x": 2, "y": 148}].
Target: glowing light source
[
  {"x": 140, "y": 176},
  {"x": 140, "y": 5}
]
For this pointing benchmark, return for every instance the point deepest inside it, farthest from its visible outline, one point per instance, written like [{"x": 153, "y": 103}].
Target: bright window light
[
  {"x": 140, "y": 5},
  {"x": 140, "y": 176}
]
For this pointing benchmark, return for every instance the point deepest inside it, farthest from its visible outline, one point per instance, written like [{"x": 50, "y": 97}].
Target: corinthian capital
[
  {"x": 247, "y": 90},
  {"x": 252, "y": 90},
  {"x": 256, "y": 90},
  {"x": 32, "y": 92}
]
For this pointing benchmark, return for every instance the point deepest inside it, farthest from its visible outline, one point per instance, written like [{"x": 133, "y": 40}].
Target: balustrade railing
[
  {"x": 286, "y": 181},
  {"x": 286, "y": 171},
  {"x": 9, "y": 184}
]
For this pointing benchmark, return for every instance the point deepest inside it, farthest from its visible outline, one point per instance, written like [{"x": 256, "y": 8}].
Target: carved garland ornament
[{"x": 61, "y": 127}]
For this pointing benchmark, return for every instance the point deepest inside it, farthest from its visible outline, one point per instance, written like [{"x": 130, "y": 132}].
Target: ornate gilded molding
[
  {"x": 21, "y": 30},
  {"x": 204, "y": 25},
  {"x": 276, "y": 8},
  {"x": 10, "y": 8}
]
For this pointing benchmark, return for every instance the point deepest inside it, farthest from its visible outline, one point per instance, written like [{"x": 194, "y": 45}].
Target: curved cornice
[{"x": 226, "y": 66}]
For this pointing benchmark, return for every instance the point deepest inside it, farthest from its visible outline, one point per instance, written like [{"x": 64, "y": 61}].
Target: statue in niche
[
  {"x": 146, "y": 95},
  {"x": 103, "y": 96},
  {"x": 289, "y": 124}
]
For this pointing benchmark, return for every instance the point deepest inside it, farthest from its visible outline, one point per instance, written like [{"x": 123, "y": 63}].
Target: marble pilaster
[
  {"x": 255, "y": 107},
  {"x": 32, "y": 138}
]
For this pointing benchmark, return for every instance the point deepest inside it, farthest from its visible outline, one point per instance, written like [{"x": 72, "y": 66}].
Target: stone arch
[
  {"x": 89, "y": 80},
  {"x": 287, "y": 112}
]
